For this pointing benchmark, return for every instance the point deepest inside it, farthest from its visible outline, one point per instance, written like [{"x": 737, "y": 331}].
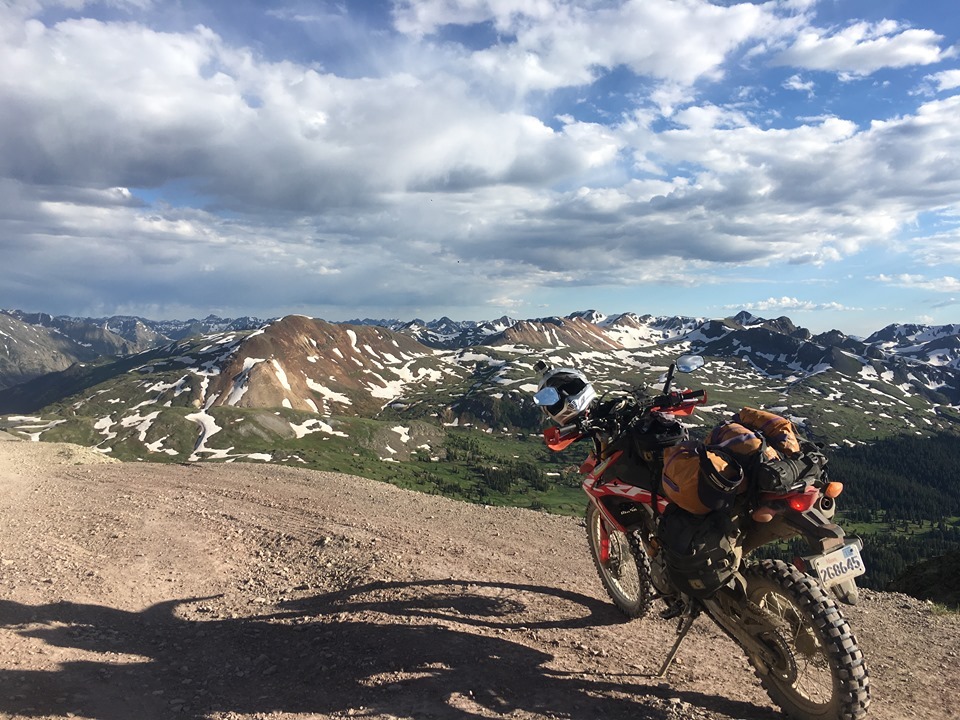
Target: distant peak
[
  {"x": 591, "y": 316},
  {"x": 747, "y": 319}
]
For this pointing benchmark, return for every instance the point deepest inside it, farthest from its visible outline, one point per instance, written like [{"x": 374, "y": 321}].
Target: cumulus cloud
[
  {"x": 795, "y": 82},
  {"x": 152, "y": 107},
  {"x": 447, "y": 169},
  {"x": 946, "y": 80},
  {"x": 787, "y": 304},
  {"x": 549, "y": 44},
  {"x": 945, "y": 283},
  {"x": 863, "y": 48}
]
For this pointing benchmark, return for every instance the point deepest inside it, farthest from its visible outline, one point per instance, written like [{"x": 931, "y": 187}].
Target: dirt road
[{"x": 139, "y": 591}]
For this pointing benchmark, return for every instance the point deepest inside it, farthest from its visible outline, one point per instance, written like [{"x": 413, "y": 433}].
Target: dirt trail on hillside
[{"x": 130, "y": 590}]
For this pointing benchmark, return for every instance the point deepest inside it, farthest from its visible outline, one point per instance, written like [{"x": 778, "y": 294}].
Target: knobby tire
[
  {"x": 626, "y": 577},
  {"x": 816, "y": 644}
]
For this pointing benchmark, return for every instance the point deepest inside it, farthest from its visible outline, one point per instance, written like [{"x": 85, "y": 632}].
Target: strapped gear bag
[
  {"x": 699, "y": 551},
  {"x": 775, "y": 458},
  {"x": 699, "y": 478}
]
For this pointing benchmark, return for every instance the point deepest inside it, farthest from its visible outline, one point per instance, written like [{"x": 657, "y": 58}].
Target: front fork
[
  {"x": 604, "y": 541},
  {"x": 605, "y": 523}
]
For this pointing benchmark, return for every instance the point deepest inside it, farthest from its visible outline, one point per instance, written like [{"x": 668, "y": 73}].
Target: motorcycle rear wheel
[
  {"x": 818, "y": 672},
  {"x": 623, "y": 567}
]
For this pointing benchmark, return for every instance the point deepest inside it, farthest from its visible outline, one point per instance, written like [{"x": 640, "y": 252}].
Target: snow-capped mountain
[
  {"x": 450, "y": 334},
  {"x": 481, "y": 373},
  {"x": 587, "y": 329},
  {"x": 937, "y": 345},
  {"x": 633, "y": 331},
  {"x": 140, "y": 333},
  {"x": 898, "y": 335}
]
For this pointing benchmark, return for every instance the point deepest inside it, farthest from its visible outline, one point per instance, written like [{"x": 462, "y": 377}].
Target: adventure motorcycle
[{"x": 786, "y": 620}]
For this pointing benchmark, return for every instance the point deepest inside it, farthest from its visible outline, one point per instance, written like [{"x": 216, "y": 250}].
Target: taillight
[{"x": 802, "y": 503}]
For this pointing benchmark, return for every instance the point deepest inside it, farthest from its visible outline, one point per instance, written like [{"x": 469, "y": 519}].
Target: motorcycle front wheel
[
  {"x": 814, "y": 669},
  {"x": 623, "y": 567}
]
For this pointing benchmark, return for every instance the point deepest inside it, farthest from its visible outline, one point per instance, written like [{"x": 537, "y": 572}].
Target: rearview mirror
[{"x": 689, "y": 363}]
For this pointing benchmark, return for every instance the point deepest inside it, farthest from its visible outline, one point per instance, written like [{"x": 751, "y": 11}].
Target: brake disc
[{"x": 778, "y": 657}]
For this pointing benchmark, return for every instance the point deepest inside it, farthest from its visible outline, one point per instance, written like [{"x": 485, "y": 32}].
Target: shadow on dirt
[{"x": 364, "y": 651}]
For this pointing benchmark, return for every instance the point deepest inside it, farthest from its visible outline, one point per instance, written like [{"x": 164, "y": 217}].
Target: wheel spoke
[
  {"x": 820, "y": 672},
  {"x": 625, "y": 573},
  {"x": 812, "y": 677}
]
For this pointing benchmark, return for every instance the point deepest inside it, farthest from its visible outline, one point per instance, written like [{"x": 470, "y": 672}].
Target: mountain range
[{"x": 101, "y": 373}]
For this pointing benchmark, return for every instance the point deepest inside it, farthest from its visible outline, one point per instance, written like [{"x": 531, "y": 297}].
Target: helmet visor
[{"x": 547, "y": 396}]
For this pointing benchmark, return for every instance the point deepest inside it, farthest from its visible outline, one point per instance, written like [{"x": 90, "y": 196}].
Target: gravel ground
[{"x": 229, "y": 591}]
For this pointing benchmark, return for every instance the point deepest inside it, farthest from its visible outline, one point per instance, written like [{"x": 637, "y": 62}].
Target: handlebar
[
  {"x": 677, "y": 403},
  {"x": 679, "y": 399},
  {"x": 616, "y": 416}
]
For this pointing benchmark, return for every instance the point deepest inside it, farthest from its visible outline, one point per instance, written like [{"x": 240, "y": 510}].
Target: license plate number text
[{"x": 839, "y": 565}]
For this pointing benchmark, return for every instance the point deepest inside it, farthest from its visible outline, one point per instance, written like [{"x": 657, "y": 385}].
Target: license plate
[{"x": 839, "y": 565}]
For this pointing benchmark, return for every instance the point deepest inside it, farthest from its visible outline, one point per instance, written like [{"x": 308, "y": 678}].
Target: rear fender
[
  {"x": 821, "y": 533},
  {"x": 847, "y": 592}
]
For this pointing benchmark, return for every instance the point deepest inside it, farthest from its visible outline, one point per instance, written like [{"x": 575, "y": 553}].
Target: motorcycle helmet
[{"x": 574, "y": 390}]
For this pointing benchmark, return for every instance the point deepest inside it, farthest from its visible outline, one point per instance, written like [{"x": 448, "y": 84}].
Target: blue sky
[{"x": 475, "y": 158}]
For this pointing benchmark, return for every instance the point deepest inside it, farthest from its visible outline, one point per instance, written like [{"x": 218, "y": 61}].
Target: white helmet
[{"x": 573, "y": 395}]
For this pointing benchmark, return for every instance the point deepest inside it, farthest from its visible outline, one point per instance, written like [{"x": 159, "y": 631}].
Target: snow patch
[
  {"x": 208, "y": 428},
  {"x": 281, "y": 375},
  {"x": 327, "y": 393},
  {"x": 315, "y": 425}
]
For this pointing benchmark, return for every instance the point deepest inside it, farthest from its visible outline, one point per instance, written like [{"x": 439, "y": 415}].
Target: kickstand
[{"x": 682, "y": 629}]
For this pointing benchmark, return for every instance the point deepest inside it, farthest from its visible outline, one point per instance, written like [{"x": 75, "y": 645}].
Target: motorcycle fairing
[{"x": 616, "y": 489}]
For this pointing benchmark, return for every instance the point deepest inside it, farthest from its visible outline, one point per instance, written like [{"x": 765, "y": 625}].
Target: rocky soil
[{"x": 247, "y": 591}]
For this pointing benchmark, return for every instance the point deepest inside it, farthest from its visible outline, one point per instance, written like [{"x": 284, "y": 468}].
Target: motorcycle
[{"x": 785, "y": 617}]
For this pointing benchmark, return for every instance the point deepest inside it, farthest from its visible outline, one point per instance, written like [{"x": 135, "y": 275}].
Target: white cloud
[
  {"x": 551, "y": 44},
  {"x": 863, "y": 48},
  {"x": 946, "y": 80},
  {"x": 546, "y": 44},
  {"x": 509, "y": 304},
  {"x": 945, "y": 283},
  {"x": 668, "y": 95},
  {"x": 942, "y": 248},
  {"x": 787, "y": 304},
  {"x": 795, "y": 82}
]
